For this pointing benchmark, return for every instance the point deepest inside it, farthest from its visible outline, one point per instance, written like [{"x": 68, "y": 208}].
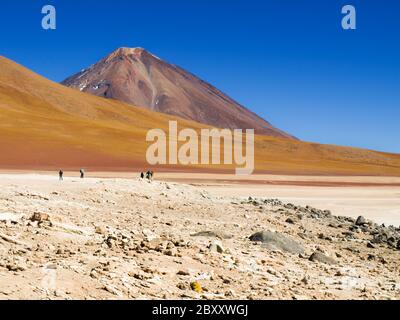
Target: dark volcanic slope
[{"x": 137, "y": 77}]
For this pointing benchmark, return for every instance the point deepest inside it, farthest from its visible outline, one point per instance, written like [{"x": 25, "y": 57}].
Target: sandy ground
[
  {"x": 380, "y": 204},
  {"x": 113, "y": 238},
  {"x": 376, "y": 198}
]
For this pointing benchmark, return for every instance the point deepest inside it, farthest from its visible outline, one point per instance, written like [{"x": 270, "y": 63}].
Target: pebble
[
  {"x": 216, "y": 247},
  {"x": 320, "y": 257},
  {"x": 361, "y": 221}
]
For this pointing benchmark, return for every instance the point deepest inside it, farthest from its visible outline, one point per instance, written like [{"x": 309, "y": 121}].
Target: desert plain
[{"x": 198, "y": 236}]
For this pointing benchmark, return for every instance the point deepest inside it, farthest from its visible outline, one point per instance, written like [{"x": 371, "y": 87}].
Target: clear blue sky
[{"x": 289, "y": 61}]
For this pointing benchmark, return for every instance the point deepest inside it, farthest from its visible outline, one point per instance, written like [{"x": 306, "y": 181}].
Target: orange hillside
[{"x": 44, "y": 125}]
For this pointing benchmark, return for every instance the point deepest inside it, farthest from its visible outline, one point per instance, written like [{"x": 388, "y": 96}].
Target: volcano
[{"x": 137, "y": 77}]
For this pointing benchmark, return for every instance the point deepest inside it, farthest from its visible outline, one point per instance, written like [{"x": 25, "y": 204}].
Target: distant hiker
[
  {"x": 142, "y": 175},
  {"x": 82, "y": 172},
  {"x": 61, "y": 175},
  {"x": 149, "y": 175}
]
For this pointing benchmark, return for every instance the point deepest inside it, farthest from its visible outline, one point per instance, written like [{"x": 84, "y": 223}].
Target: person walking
[
  {"x": 82, "y": 172},
  {"x": 149, "y": 175},
  {"x": 61, "y": 175}
]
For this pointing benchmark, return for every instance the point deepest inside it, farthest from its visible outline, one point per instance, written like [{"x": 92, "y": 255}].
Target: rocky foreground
[{"x": 133, "y": 239}]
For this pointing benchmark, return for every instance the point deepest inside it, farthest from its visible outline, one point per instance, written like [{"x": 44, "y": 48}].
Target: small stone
[
  {"x": 370, "y": 245},
  {"x": 149, "y": 235},
  {"x": 361, "y": 221},
  {"x": 320, "y": 257},
  {"x": 371, "y": 257},
  {"x": 100, "y": 230},
  {"x": 382, "y": 260},
  {"x": 334, "y": 225},
  {"x": 216, "y": 247},
  {"x": 230, "y": 293},
  {"x": 94, "y": 274},
  {"x": 181, "y": 286},
  {"x": 306, "y": 280},
  {"x": 183, "y": 273},
  {"x": 111, "y": 289},
  {"x": 171, "y": 252},
  {"x": 40, "y": 217},
  {"x": 59, "y": 293},
  {"x": 16, "y": 267},
  {"x": 290, "y": 221}
]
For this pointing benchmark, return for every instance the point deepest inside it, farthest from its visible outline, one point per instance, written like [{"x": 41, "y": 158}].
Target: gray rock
[
  {"x": 334, "y": 225},
  {"x": 276, "y": 241},
  {"x": 348, "y": 235},
  {"x": 290, "y": 221},
  {"x": 381, "y": 237},
  {"x": 320, "y": 257},
  {"x": 370, "y": 245},
  {"x": 327, "y": 213},
  {"x": 361, "y": 221},
  {"x": 349, "y": 219},
  {"x": 171, "y": 252}
]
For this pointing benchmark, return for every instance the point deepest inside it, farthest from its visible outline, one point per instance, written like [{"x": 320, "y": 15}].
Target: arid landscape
[
  {"x": 114, "y": 238},
  {"x": 70, "y": 129},
  {"x": 199, "y": 158},
  {"x": 314, "y": 222}
]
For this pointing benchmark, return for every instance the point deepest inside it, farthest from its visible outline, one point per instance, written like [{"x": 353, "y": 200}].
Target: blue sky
[{"x": 288, "y": 60}]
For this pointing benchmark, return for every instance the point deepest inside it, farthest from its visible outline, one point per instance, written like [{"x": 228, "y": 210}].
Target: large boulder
[{"x": 277, "y": 241}]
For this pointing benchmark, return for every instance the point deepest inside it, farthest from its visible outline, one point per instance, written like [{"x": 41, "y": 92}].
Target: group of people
[
  {"x": 149, "y": 175},
  {"x": 81, "y": 172}
]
